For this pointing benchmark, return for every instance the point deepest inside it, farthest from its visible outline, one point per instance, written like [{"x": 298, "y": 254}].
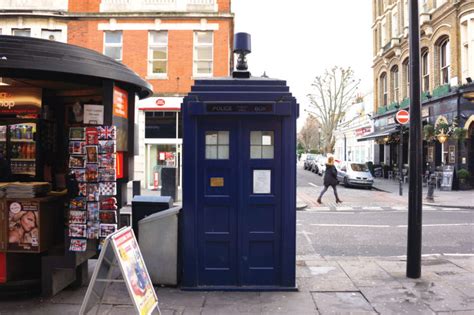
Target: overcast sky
[{"x": 297, "y": 40}]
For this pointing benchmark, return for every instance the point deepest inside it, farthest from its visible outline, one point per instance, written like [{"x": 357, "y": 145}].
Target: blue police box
[{"x": 239, "y": 182}]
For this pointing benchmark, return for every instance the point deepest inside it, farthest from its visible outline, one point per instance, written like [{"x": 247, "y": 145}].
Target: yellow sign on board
[{"x": 217, "y": 181}]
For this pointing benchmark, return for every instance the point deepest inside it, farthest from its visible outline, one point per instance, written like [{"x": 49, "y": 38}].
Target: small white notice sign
[
  {"x": 93, "y": 114},
  {"x": 262, "y": 181}
]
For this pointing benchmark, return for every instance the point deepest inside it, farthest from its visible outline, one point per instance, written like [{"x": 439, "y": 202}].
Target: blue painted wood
[{"x": 233, "y": 239}]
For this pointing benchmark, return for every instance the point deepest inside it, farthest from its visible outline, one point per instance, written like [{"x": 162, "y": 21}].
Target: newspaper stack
[{"x": 27, "y": 190}]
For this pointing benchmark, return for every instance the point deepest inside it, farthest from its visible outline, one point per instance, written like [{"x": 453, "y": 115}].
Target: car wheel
[{"x": 346, "y": 184}]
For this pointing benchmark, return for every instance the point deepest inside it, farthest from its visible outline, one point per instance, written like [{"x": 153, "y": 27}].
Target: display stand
[{"x": 121, "y": 250}]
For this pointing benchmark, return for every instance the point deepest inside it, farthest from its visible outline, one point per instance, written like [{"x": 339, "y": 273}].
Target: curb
[
  {"x": 301, "y": 206},
  {"x": 447, "y": 206}
]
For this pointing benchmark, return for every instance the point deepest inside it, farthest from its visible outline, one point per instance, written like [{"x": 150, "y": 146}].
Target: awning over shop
[{"x": 378, "y": 134}]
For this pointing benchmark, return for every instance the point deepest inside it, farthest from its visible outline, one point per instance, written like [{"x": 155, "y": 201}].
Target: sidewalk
[{"x": 326, "y": 285}]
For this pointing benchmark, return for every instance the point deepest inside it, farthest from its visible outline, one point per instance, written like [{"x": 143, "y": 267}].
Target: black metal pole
[
  {"x": 415, "y": 191},
  {"x": 400, "y": 161}
]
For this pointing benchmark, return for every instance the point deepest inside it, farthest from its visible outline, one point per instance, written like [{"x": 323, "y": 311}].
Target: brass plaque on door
[{"x": 217, "y": 181}]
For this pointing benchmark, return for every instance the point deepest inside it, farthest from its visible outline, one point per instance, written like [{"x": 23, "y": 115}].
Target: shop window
[
  {"x": 54, "y": 35},
  {"x": 160, "y": 125},
  {"x": 217, "y": 145},
  {"x": 113, "y": 45},
  {"x": 425, "y": 71},
  {"x": 21, "y": 32},
  {"x": 261, "y": 144},
  {"x": 158, "y": 53},
  {"x": 444, "y": 61},
  {"x": 203, "y": 55}
]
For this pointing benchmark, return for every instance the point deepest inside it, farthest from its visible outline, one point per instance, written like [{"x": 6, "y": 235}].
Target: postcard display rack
[{"x": 93, "y": 211}]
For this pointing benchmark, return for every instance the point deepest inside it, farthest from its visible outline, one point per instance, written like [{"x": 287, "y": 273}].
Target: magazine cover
[
  {"x": 92, "y": 154},
  {"x": 108, "y": 203},
  {"x": 106, "y": 229},
  {"x": 93, "y": 211},
  {"x": 77, "y": 203},
  {"x": 77, "y": 216},
  {"x": 76, "y": 133},
  {"x": 76, "y": 147},
  {"x": 92, "y": 135},
  {"x": 77, "y": 161},
  {"x": 107, "y": 175},
  {"x": 108, "y": 188},
  {"x": 77, "y": 230},
  {"x": 107, "y": 160},
  {"x": 93, "y": 192},
  {"x": 92, "y": 172},
  {"x": 106, "y": 146},
  {"x": 108, "y": 216},
  {"x": 23, "y": 225},
  {"x": 78, "y": 245}
]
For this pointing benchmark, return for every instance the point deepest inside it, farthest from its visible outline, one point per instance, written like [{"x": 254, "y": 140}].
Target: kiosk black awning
[{"x": 378, "y": 134}]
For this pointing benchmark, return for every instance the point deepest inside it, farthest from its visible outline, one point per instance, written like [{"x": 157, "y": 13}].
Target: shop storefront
[
  {"x": 448, "y": 145},
  {"x": 160, "y": 140},
  {"x": 66, "y": 156}
]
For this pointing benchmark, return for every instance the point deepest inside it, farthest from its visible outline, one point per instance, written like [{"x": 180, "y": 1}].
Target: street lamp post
[{"x": 415, "y": 191}]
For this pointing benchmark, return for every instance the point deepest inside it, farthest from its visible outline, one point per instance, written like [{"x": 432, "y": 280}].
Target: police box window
[{"x": 160, "y": 125}]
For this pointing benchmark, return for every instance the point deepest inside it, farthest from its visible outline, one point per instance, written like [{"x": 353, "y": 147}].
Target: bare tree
[
  {"x": 333, "y": 93},
  {"x": 309, "y": 136}
]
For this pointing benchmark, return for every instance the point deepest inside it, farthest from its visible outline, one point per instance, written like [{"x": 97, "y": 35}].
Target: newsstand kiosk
[
  {"x": 66, "y": 121},
  {"x": 239, "y": 182}
]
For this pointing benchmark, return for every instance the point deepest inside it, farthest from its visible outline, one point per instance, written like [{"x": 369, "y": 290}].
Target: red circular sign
[
  {"x": 160, "y": 102},
  {"x": 402, "y": 117}
]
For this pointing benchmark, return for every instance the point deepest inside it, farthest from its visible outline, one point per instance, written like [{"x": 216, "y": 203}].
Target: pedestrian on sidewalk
[{"x": 330, "y": 179}]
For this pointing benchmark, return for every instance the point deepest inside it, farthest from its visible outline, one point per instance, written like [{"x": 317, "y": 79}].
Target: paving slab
[
  {"x": 342, "y": 302},
  {"x": 287, "y": 303}
]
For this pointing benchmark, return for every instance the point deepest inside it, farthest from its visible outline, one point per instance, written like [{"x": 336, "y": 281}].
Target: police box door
[{"x": 239, "y": 202}]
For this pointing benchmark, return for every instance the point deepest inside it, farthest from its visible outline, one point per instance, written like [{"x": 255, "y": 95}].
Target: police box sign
[
  {"x": 20, "y": 101},
  {"x": 239, "y": 108}
]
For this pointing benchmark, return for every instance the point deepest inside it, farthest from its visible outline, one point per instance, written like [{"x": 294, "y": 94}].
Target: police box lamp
[{"x": 242, "y": 47}]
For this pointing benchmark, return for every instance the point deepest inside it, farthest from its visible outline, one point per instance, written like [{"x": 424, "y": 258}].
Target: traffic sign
[{"x": 402, "y": 117}]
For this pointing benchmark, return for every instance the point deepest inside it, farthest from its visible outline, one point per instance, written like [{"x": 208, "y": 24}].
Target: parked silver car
[{"x": 354, "y": 174}]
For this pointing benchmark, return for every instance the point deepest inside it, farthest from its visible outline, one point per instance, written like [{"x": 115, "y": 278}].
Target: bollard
[
  {"x": 431, "y": 187},
  {"x": 136, "y": 188}
]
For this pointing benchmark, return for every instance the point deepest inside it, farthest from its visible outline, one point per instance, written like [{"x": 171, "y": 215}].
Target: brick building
[
  {"x": 166, "y": 42},
  {"x": 447, "y": 69}
]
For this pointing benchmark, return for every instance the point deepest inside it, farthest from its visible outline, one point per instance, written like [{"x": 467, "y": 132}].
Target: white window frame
[
  {"x": 406, "y": 78},
  {"x": 395, "y": 73},
  {"x": 60, "y": 32},
  {"x": 195, "y": 60},
  {"x": 425, "y": 71},
  {"x": 151, "y": 46},
  {"x": 444, "y": 52},
  {"x": 384, "y": 89},
  {"x": 21, "y": 29},
  {"x": 114, "y": 44}
]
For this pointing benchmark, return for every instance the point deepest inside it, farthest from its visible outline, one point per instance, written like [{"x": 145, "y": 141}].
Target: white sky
[{"x": 297, "y": 40}]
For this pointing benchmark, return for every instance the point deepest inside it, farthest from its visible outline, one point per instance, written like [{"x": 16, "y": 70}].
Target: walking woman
[{"x": 330, "y": 179}]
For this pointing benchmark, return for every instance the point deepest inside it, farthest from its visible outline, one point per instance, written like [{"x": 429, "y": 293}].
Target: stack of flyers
[
  {"x": 106, "y": 229},
  {"x": 109, "y": 203},
  {"x": 107, "y": 160},
  {"x": 107, "y": 175},
  {"x": 107, "y": 133},
  {"x": 108, "y": 216},
  {"x": 92, "y": 135},
  {"x": 93, "y": 230},
  {"x": 93, "y": 211},
  {"x": 79, "y": 174},
  {"x": 77, "y": 230},
  {"x": 93, "y": 192},
  {"x": 106, "y": 146},
  {"x": 108, "y": 188},
  {"x": 77, "y": 203},
  {"x": 77, "y": 217},
  {"x": 78, "y": 245}
]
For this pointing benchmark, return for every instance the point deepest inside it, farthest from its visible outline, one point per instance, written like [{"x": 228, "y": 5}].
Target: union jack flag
[{"x": 107, "y": 133}]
